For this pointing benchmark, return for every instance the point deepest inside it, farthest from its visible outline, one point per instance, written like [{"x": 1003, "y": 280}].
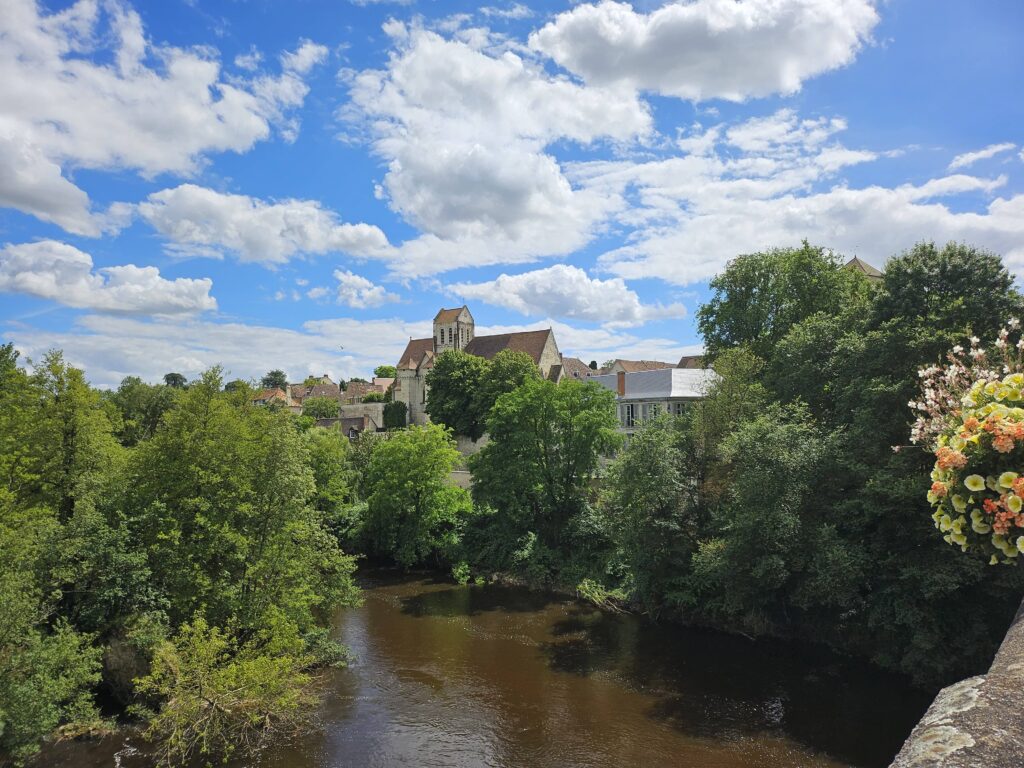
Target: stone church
[{"x": 455, "y": 329}]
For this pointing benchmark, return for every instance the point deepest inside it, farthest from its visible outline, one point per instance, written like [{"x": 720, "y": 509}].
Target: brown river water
[{"x": 460, "y": 677}]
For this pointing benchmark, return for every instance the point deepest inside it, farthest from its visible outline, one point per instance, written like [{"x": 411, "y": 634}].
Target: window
[
  {"x": 653, "y": 410},
  {"x": 629, "y": 415},
  {"x": 449, "y": 335},
  {"x": 678, "y": 408}
]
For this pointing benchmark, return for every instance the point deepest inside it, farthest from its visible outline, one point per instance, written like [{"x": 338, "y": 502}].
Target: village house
[
  {"x": 455, "y": 329},
  {"x": 645, "y": 395}
]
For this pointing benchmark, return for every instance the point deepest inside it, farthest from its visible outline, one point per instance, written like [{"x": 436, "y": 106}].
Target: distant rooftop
[
  {"x": 661, "y": 383},
  {"x": 856, "y": 264}
]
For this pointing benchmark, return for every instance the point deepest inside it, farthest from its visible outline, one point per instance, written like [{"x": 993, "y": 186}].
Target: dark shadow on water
[
  {"x": 714, "y": 685},
  {"x": 472, "y": 601}
]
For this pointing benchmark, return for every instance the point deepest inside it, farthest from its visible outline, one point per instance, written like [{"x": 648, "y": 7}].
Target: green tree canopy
[
  {"x": 274, "y": 379},
  {"x": 385, "y": 371},
  {"x": 505, "y": 372},
  {"x": 321, "y": 407},
  {"x": 760, "y": 296},
  {"x": 954, "y": 287},
  {"x": 414, "y": 515},
  {"x": 394, "y": 415},
  {"x": 453, "y": 383},
  {"x": 546, "y": 440},
  {"x": 175, "y": 380}
]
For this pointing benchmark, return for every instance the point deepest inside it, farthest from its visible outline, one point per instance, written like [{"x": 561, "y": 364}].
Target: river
[{"x": 459, "y": 677}]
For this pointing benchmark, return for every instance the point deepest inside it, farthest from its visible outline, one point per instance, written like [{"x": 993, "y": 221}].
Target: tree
[
  {"x": 507, "y": 371},
  {"x": 394, "y": 415},
  {"x": 648, "y": 510},
  {"x": 374, "y": 397},
  {"x": 453, "y": 384},
  {"x": 219, "y": 498},
  {"x": 413, "y": 513},
  {"x": 140, "y": 406},
  {"x": 321, "y": 407},
  {"x": 236, "y": 385},
  {"x": 47, "y": 670},
  {"x": 175, "y": 380},
  {"x": 955, "y": 287},
  {"x": 385, "y": 371},
  {"x": 223, "y": 695},
  {"x": 772, "y": 549},
  {"x": 274, "y": 379},
  {"x": 760, "y": 296},
  {"x": 546, "y": 440}
]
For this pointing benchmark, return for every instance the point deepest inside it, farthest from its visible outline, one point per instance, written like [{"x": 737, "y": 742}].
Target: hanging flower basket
[{"x": 971, "y": 416}]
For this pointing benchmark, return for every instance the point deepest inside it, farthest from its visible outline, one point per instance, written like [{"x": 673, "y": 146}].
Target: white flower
[
  {"x": 975, "y": 341},
  {"x": 957, "y": 349}
]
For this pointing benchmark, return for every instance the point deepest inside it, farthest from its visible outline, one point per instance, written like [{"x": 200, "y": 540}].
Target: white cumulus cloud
[
  {"x": 206, "y": 222},
  {"x": 708, "y": 48},
  {"x": 84, "y": 88},
  {"x": 358, "y": 292},
  {"x": 568, "y": 292},
  {"x": 60, "y": 272},
  {"x": 464, "y": 132}
]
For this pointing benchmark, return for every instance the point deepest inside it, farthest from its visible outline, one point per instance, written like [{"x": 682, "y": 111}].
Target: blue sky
[{"x": 303, "y": 184}]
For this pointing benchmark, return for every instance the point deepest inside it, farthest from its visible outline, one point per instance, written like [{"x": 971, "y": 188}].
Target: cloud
[
  {"x": 358, "y": 292},
  {"x": 513, "y": 11},
  {"x": 464, "y": 133},
  {"x": 60, "y": 272},
  {"x": 83, "y": 88},
  {"x": 308, "y": 55},
  {"x": 201, "y": 221},
  {"x": 969, "y": 158},
  {"x": 109, "y": 348},
  {"x": 567, "y": 291},
  {"x": 708, "y": 48},
  {"x": 773, "y": 181}
]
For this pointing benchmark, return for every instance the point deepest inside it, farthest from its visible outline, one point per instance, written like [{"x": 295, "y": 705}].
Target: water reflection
[{"x": 499, "y": 676}]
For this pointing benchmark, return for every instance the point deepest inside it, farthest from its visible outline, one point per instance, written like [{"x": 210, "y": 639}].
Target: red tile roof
[
  {"x": 414, "y": 352},
  {"x": 530, "y": 342}
]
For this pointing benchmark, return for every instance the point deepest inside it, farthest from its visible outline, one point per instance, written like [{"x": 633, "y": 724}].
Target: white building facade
[{"x": 645, "y": 395}]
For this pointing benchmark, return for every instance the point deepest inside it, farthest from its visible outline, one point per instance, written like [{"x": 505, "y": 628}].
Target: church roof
[
  {"x": 448, "y": 315},
  {"x": 858, "y": 265},
  {"x": 414, "y": 352},
  {"x": 530, "y": 342}
]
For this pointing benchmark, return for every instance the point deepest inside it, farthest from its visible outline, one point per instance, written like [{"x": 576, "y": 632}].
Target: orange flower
[
  {"x": 939, "y": 489},
  {"x": 950, "y": 459},
  {"x": 971, "y": 423},
  {"x": 1003, "y": 443}
]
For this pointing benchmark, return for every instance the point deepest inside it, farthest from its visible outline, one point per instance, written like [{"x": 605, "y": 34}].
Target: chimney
[{"x": 622, "y": 383}]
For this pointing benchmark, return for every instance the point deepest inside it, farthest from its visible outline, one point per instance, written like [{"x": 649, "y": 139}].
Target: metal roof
[{"x": 661, "y": 384}]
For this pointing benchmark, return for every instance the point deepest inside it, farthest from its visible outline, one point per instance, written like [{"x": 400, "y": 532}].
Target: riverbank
[{"x": 449, "y": 675}]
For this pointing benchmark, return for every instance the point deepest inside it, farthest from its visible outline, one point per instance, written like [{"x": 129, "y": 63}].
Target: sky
[{"x": 302, "y": 184}]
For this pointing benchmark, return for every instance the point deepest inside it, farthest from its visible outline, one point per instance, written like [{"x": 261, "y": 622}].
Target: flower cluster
[{"x": 971, "y": 415}]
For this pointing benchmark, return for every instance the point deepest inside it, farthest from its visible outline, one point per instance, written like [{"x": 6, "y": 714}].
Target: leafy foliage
[
  {"x": 395, "y": 415},
  {"x": 453, "y": 384},
  {"x": 321, "y": 407},
  {"x": 275, "y": 379},
  {"x": 413, "y": 514},
  {"x": 760, "y": 296}
]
